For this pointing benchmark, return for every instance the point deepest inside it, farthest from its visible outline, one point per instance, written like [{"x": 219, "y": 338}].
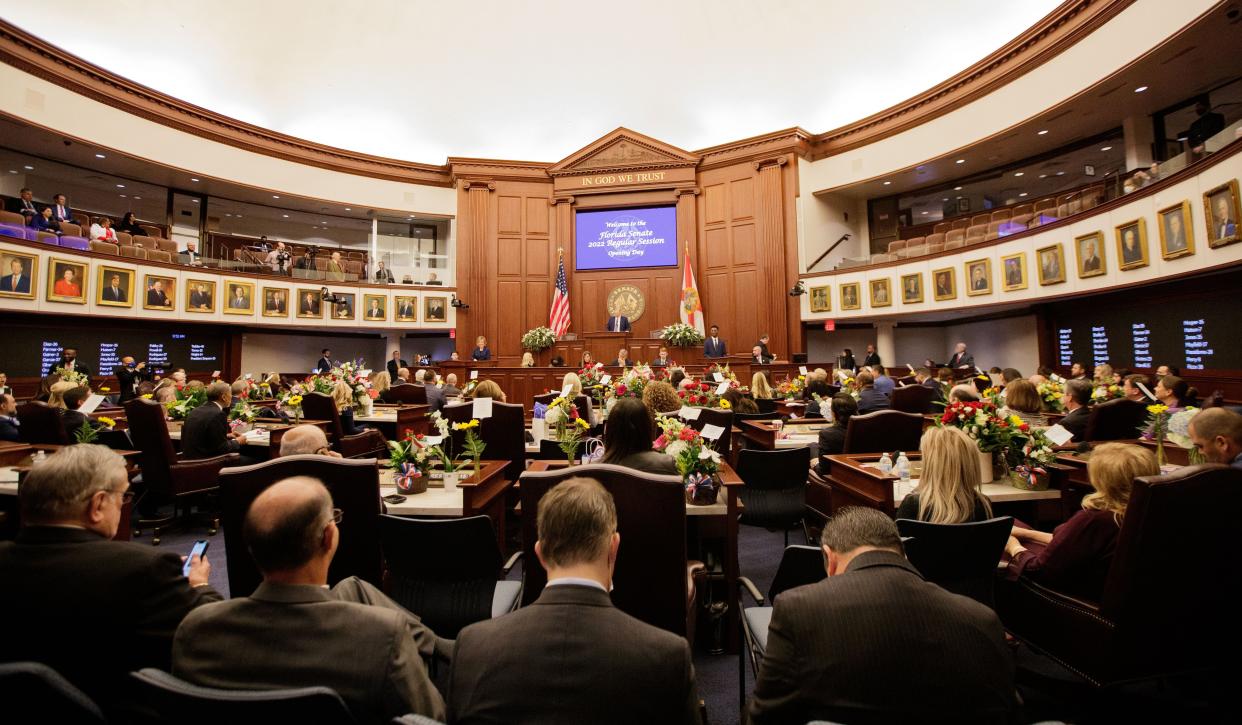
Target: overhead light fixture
[
  {"x": 957, "y": 188},
  {"x": 1140, "y": 89},
  {"x": 1060, "y": 173},
  {"x": 194, "y": 180},
  {"x": 227, "y": 214},
  {"x": 1019, "y": 173},
  {"x": 12, "y": 171},
  {"x": 959, "y": 197},
  {"x": 275, "y": 196},
  {"x": 924, "y": 213},
  {"x": 28, "y": 168},
  {"x": 122, "y": 196},
  {"x": 120, "y": 186},
  {"x": 100, "y": 156},
  {"x": 139, "y": 198},
  {"x": 945, "y": 199},
  {"x": 960, "y": 161},
  {"x": 285, "y": 216},
  {"x": 885, "y": 183},
  {"x": 1041, "y": 133},
  {"x": 195, "y": 200},
  {"x": 348, "y": 209},
  {"x": 1043, "y": 176},
  {"x": 1022, "y": 194},
  {"x": 1107, "y": 148},
  {"x": 239, "y": 216}
]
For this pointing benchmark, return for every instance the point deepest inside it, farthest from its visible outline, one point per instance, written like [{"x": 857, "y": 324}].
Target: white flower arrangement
[
  {"x": 538, "y": 339},
  {"x": 680, "y": 334}
]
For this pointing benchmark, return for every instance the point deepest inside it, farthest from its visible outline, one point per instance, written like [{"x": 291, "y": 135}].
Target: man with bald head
[
  {"x": 295, "y": 632},
  {"x": 306, "y": 439},
  {"x": 1217, "y": 434},
  {"x": 438, "y": 395}
]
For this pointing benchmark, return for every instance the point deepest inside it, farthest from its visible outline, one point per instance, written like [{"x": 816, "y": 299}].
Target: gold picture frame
[
  {"x": 377, "y": 312},
  {"x": 67, "y": 281},
  {"x": 343, "y": 308},
  {"x": 1051, "y": 260},
  {"x": 238, "y": 305},
  {"x": 159, "y": 292},
  {"x": 944, "y": 284},
  {"x": 880, "y": 292},
  {"x": 435, "y": 309},
  {"x": 1132, "y": 244},
  {"x": 1013, "y": 272},
  {"x": 1222, "y": 228},
  {"x": 851, "y": 299},
  {"x": 405, "y": 308},
  {"x": 1089, "y": 251},
  {"x": 309, "y": 304},
  {"x": 821, "y": 299},
  {"x": 114, "y": 286},
  {"x": 200, "y": 296},
  {"x": 275, "y": 302},
  {"x": 1177, "y": 233},
  {"x": 912, "y": 288},
  {"x": 21, "y": 275},
  {"x": 981, "y": 283}
]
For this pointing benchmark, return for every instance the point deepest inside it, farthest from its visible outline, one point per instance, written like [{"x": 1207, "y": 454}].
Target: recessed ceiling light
[
  {"x": 1041, "y": 133},
  {"x": 194, "y": 180},
  {"x": 285, "y": 216},
  {"x": 348, "y": 209},
  {"x": 924, "y": 213},
  {"x": 1107, "y": 148},
  {"x": 195, "y": 201},
  {"x": 120, "y": 186},
  {"x": 1043, "y": 176},
  {"x": 959, "y": 197},
  {"x": 122, "y": 196},
  {"x": 1140, "y": 89},
  {"x": 100, "y": 156},
  {"x": 239, "y": 216},
  {"x": 887, "y": 183},
  {"x": 12, "y": 171},
  {"x": 1060, "y": 173},
  {"x": 945, "y": 199},
  {"x": 275, "y": 197},
  {"x": 1022, "y": 194},
  {"x": 960, "y": 161},
  {"x": 1019, "y": 173},
  {"x": 227, "y": 214},
  {"x": 28, "y": 168},
  {"x": 139, "y": 198},
  {"x": 957, "y": 188}
]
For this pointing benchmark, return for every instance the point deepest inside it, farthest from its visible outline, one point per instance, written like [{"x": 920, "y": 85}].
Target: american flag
[{"x": 558, "y": 318}]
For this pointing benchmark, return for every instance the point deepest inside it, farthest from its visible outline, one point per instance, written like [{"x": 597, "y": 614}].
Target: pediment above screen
[{"x": 623, "y": 150}]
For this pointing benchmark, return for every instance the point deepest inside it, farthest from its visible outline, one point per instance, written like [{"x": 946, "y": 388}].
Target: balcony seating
[
  {"x": 976, "y": 233},
  {"x": 954, "y": 235},
  {"x": 124, "y": 239},
  {"x": 1002, "y": 215},
  {"x": 961, "y": 224},
  {"x": 915, "y": 250},
  {"x": 937, "y": 238},
  {"x": 158, "y": 255},
  {"x": 903, "y": 253},
  {"x": 81, "y": 243},
  {"x": 71, "y": 230},
  {"x": 13, "y": 230},
  {"x": 142, "y": 240},
  {"x": 82, "y": 218},
  {"x": 993, "y": 231},
  {"x": 935, "y": 247},
  {"x": 132, "y": 251},
  {"x": 152, "y": 231},
  {"x": 104, "y": 248},
  {"x": 980, "y": 219},
  {"x": 1045, "y": 205},
  {"x": 895, "y": 247},
  {"x": 941, "y": 228},
  {"x": 879, "y": 258}
]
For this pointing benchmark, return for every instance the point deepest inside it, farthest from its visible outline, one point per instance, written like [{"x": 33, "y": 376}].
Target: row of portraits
[
  {"x": 1176, "y": 240},
  {"x": 114, "y": 287}
]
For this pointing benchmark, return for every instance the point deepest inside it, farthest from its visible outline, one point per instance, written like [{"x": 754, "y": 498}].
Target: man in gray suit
[
  {"x": 295, "y": 632},
  {"x": 571, "y": 657},
  {"x": 438, "y": 395},
  {"x": 875, "y": 635}
]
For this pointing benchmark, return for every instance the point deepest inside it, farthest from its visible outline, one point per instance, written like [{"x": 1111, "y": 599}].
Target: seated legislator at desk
[
  {"x": 72, "y": 418},
  {"x": 623, "y": 359},
  {"x": 617, "y": 322},
  {"x": 832, "y": 438},
  {"x": 757, "y": 356},
  {"x": 343, "y": 399},
  {"x": 438, "y": 396},
  {"x": 662, "y": 360},
  {"x": 10, "y": 426},
  {"x": 628, "y": 434},
  {"x": 883, "y": 383},
  {"x": 571, "y": 656},
  {"x": 838, "y": 643},
  {"x": 1076, "y": 398},
  {"x": 293, "y": 631},
  {"x": 481, "y": 350},
  {"x": 870, "y": 399},
  {"x": 950, "y": 486},
  {"x": 306, "y": 439},
  {"x": 205, "y": 433},
  {"x": 815, "y": 386},
  {"x": 1217, "y": 434},
  {"x": 1074, "y": 559},
  {"x": 64, "y": 567},
  {"x": 713, "y": 344}
]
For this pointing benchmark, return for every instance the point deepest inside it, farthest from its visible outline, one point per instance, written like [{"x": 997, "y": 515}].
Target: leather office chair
[
  {"x": 722, "y": 418},
  {"x": 504, "y": 433},
  {"x": 354, "y": 485},
  {"x": 368, "y": 444},
  {"x": 774, "y": 488},
  {"x": 41, "y": 423},
  {"x": 170, "y": 699},
  {"x": 883, "y": 430},
  {"x": 1166, "y": 607},
  {"x": 916, "y": 399},
  {"x": 958, "y": 557},
  {"x": 1116, "y": 420},
  {"x": 102, "y": 247},
  {"x": 164, "y": 474},
  {"x": 408, "y": 393},
  {"x": 581, "y": 402},
  {"x": 766, "y": 405},
  {"x": 653, "y": 579},
  {"x": 800, "y": 565},
  {"x": 455, "y": 587},
  {"x": 33, "y": 687}
]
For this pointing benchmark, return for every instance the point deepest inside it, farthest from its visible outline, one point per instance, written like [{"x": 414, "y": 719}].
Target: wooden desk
[
  {"x": 768, "y": 436},
  {"x": 264, "y": 435},
  {"x": 475, "y": 495},
  {"x": 398, "y": 421}
]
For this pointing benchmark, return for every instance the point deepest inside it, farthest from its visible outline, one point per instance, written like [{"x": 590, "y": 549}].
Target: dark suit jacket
[
  {"x": 72, "y": 421},
  {"x": 437, "y": 396},
  {"x": 128, "y": 379},
  {"x": 117, "y": 295},
  {"x": 484, "y": 354},
  {"x": 52, "y": 577},
  {"x": 393, "y": 367},
  {"x": 871, "y": 400},
  {"x": 77, "y": 366},
  {"x": 658, "y": 363},
  {"x": 1076, "y": 422},
  {"x": 62, "y": 214},
  {"x": 17, "y": 206},
  {"x": 157, "y": 299},
  {"x": 324, "y": 365},
  {"x": 848, "y": 638},
  {"x": 872, "y": 359},
  {"x": 571, "y": 657},
  {"x": 383, "y": 275},
  {"x": 831, "y": 442},
  {"x": 190, "y": 258},
  {"x": 200, "y": 299},
  {"x": 714, "y": 349},
  {"x": 45, "y": 225},
  {"x": 301, "y": 635},
  {"x": 9, "y": 430},
  {"x": 206, "y": 433},
  {"x": 964, "y": 359},
  {"x": 612, "y": 322}
]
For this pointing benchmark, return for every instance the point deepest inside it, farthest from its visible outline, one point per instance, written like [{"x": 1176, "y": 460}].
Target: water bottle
[
  {"x": 38, "y": 457},
  {"x": 903, "y": 467},
  {"x": 886, "y": 464}
]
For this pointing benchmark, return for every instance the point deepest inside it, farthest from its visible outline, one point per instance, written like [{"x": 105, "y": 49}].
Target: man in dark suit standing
[
  {"x": 395, "y": 365},
  {"x": 763, "y": 344},
  {"x": 206, "y": 431},
  {"x": 69, "y": 361},
  {"x": 618, "y": 323},
  {"x": 129, "y": 375},
  {"x": 841, "y": 642},
  {"x": 961, "y": 360},
  {"x": 293, "y": 631},
  {"x": 872, "y": 358},
  {"x": 713, "y": 346},
  {"x": 571, "y": 656},
  {"x": 1076, "y": 397},
  {"x": 325, "y": 362},
  {"x": 63, "y": 564}
]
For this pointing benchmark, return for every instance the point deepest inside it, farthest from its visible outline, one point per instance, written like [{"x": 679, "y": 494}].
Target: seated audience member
[
  {"x": 923, "y": 376},
  {"x": 294, "y": 631},
  {"x": 1130, "y": 388},
  {"x": 1164, "y": 370},
  {"x": 623, "y": 359},
  {"x": 571, "y": 656},
  {"x": 71, "y": 418},
  {"x": 10, "y": 426},
  {"x": 129, "y": 225},
  {"x": 489, "y": 389},
  {"x": 1174, "y": 392},
  {"x": 1074, "y": 559},
  {"x": 420, "y": 377},
  {"x": 1217, "y": 435},
  {"x": 63, "y": 567},
  {"x": 450, "y": 389},
  {"x": 1103, "y": 374},
  {"x": 675, "y": 376},
  {"x": 950, "y": 487},
  {"x": 963, "y": 394},
  {"x": 832, "y": 438},
  {"x": 381, "y": 382},
  {"x": 1022, "y": 399},
  {"x": 44, "y": 222},
  {"x": 587, "y": 360},
  {"x": 56, "y": 395},
  {"x": 102, "y": 230},
  {"x": 1078, "y": 371},
  {"x": 661, "y": 399},
  {"x": 870, "y": 399},
  {"x": 628, "y": 435},
  {"x": 758, "y": 357},
  {"x": 343, "y": 399},
  {"x": 165, "y": 391},
  {"x": 995, "y": 375},
  {"x": 24, "y": 204},
  {"x": 759, "y": 386},
  {"x": 306, "y": 439},
  {"x": 944, "y": 376},
  {"x": 1008, "y": 375},
  {"x": 528, "y": 360},
  {"x": 481, "y": 350},
  {"x": 206, "y": 431},
  {"x": 816, "y": 387},
  {"x": 1076, "y": 397},
  {"x": 822, "y": 642},
  {"x": 883, "y": 383},
  {"x": 662, "y": 359}
]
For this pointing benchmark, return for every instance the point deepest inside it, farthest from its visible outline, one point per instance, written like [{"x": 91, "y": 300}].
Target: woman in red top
[
  {"x": 67, "y": 285},
  {"x": 1074, "y": 559}
]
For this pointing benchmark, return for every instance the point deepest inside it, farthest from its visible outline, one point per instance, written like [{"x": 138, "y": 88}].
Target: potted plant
[{"x": 410, "y": 461}]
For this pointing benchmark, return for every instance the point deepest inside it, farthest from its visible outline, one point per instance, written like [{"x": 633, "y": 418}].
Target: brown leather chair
[
  {"x": 48, "y": 238},
  {"x": 1166, "y": 607},
  {"x": 72, "y": 230},
  {"x": 897, "y": 246},
  {"x": 152, "y": 231},
  {"x": 913, "y": 399},
  {"x": 940, "y": 228},
  {"x": 883, "y": 430},
  {"x": 1116, "y": 420},
  {"x": 143, "y": 241},
  {"x": 722, "y": 418},
  {"x": 164, "y": 474},
  {"x": 653, "y": 580},
  {"x": 41, "y": 423},
  {"x": 133, "y": 251},
  {"x": 367, "y": 444},
  {"x": 354, "y": 485},
  {"x": 408, "y": 393},
  {"x": 504, "y": 433},
  {"x": 103, "y": 247},
  {"x": 124, "y": 239},
  {"x": 159, "y": 255},
  {"x": 167, "y": 245}
]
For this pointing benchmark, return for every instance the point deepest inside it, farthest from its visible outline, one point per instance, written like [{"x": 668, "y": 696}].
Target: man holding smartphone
[{"x": 91, "y": 608}]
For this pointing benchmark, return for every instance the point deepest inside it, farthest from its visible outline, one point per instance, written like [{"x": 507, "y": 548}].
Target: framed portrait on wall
[
  {"x": 1221, "y": 211},
  {"x": 850, "y": 298},
  {"x": 881, "y": 295},
  {"x": 911, "y": 289},
  {"x": 66, "y": 281},
  {"x": 979, "y": 277},
  {"x": 944, "y": 282},
  {"x": 1013, "y": 269},
  {"x": 435, "y": 309},
  {"x": 21, "y": 275},
  {"x": 240, "y": 298},
  {"x": 374, "y": 308},
  {"x": 1051, "y": 264},
  {"x": 275, "y": 302},
  {"x": 1177, "y": 237},
  {"x": 343, "y": 308},
  {"x": 820, "y": 300},
  {"x": 200, "y": 295},
  {"x": 309, "y": 303},
  {"x": 406, "y": 308},
  {"x": 114, "y": 287},
  {"x": 1132, "y": 244},
  {"x": 1090, "y": 252},
  {"x": 159, "y": 292}
]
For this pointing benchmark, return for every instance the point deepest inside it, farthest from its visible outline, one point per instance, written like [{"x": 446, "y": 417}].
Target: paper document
[{"x": 482, "y": 408}]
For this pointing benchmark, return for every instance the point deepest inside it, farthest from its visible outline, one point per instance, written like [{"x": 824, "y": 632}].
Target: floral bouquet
[
  {"x": 1050, "y": 392},
  {"x": 538, "y": 339},
  {"x": 699, "y": 395},
  {"x": 72, "y": 376},
  {"x": 243, "y": 412},
  {"x": 631, "y": 383},
  {"x": 981, "y": 421},
  {"x": 696, "y": 461},
  {"x": 680, "y": 334},
  {"x": 791, "y": 388},
  {"x": 87, "y": 433},
  {"x": 1103, "y": 393},
  {"x": 187, "y": 399},
  {"x": 562, "y": 415},
  {"x": 1165, "y": 424},
  {"x": 410, "y": 460},
  {"x": 290, "y": 401},
  {"x": 1035, "y": 453}
]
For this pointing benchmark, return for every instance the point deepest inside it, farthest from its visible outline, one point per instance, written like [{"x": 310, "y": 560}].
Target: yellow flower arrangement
[
  {"x": 106, "y": 422},
  {"x": 146, "y": 396},
  {"x": 105, "y": 390},
  {"x": 474, "y": 423},
  {"x": 1157, "y": 408},
  {"x": 581, "y": 422},
  {"x": 724, "y": 404},
  {"x": 1015, "y": 421},
  {"x": 294, "y": 400}
]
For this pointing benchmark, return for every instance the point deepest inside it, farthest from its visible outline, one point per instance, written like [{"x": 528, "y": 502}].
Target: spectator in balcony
[
  {"x": 44, "y": 222},
  {"x": 24, "y": 205},
  {"x": 60, "y": 209},
  {"x": 129, "y": 225},
  {"x": 1207, "y": 125},
  {"x": 306, "y": 262},
  {"x": 336, "y": 268},
  {"x": 279, "y": 260},
  {"x": 433, "y": 280},
  {"x": 102, "y": 231},
  {"x": 382, "y": 274}
]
